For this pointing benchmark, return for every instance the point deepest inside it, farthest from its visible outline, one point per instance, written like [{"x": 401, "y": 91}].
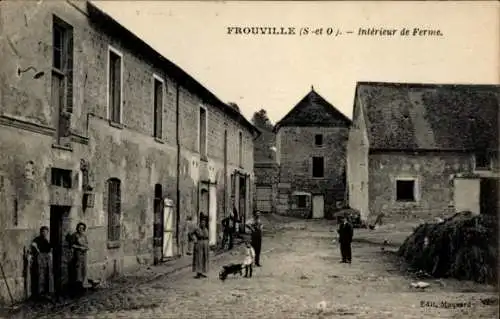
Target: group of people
[
  {"x": 198, "y": 238},
  {"x": 42, "y": 276},
  {"x": 42, "y": 249}
]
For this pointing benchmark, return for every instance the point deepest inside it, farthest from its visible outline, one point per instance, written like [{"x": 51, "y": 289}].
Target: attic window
[{"x": 318, "y": 140}]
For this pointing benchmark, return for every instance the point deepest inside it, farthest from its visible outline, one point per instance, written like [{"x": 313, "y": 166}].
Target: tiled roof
[
  {"x": 314, "y": 110},
  {"x": 403, "y": 116}
]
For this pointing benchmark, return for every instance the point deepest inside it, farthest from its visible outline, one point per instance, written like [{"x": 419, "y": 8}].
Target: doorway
[
  {"x": 242, "y": 203},
  {"x": 318, "y": 207},
  {"x": 204, "y": 202},
  {"x": 489, "y": 196},
  {"x": 212, "y": 215},
  {"x": 158, "y": 223},
  {"x": 59, "y": 226}
]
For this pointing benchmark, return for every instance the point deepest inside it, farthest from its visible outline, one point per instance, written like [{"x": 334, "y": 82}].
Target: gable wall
[{"x": 296, "y": 151}]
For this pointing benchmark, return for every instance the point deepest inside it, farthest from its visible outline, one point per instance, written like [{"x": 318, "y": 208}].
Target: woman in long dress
[
  {"x": 42, "y": 277},
  {"x": 201, "y": 248},
  {"x": 79, "y": 246}
]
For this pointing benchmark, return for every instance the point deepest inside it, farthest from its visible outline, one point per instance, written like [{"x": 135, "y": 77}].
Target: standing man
[
  {"x": 345, "y": 232},
  {"x": 256, "y": 237},
  {"x": 227, "y": 227}
]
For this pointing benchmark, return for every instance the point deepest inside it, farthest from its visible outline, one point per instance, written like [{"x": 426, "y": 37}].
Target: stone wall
[
  {"x": 357, "y": 166},
  {"x": 434, "y": 174}
]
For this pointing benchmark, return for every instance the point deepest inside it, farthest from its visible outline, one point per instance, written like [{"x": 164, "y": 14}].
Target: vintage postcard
[{"x": 249, "y": 159}]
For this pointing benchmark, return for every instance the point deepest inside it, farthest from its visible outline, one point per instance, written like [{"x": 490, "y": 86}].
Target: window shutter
[
  {"x": 69, "y": 71},
  {"x": 117, "y": 89}
]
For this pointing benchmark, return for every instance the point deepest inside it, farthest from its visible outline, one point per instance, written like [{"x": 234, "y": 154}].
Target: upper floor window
[
  {"x": 240, "y": 149},
  {"x": 61, "y": 177},
  {"x": 318, "y": 167},
  {"x": 318, "y": 139},
  {"x": 115, "y": 73},
  {"x": 62, "y": 74},
  {"x": 202, "y": 131},
  {"x": 158, "y": 107},
  {"x": 225, "y": 146}
]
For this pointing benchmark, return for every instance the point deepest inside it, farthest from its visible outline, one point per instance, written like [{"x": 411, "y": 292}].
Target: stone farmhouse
[
  {"x": 311, "y": 143},
  {"x": 423, "y": 150},
  {"x": 98, "y": 127}
]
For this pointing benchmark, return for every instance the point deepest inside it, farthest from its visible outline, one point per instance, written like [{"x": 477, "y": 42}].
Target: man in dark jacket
[
  {"x": 228, "y": 231},
  {"x": 345, "y": 232}
]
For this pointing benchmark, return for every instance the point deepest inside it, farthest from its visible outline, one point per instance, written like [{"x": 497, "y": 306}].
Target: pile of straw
[{"x": 463, "y": 246}]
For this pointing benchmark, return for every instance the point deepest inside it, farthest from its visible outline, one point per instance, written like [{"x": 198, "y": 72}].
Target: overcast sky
[{"x": 275, "y": 72}]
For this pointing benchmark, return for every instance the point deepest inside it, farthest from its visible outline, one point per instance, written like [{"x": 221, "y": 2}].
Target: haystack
[{"x": 463, "y": 246}]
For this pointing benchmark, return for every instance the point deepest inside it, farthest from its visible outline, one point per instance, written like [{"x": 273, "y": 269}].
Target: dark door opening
[
  {"x": 242, "y": 201},
  {"x": 488, "y": 196},
  {"x": 158, "y": 224},
  {"x": 59, "y": 227}
]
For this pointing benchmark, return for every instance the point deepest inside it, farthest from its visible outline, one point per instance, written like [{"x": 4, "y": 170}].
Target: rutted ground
[{"x": 300, "y": 269}]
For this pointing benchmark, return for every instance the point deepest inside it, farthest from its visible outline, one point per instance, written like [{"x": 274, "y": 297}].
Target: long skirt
[
  {"x": 42, "y": 276},
  {"x": 79, "y": 268},
  {"x": 200, "y": 256}
]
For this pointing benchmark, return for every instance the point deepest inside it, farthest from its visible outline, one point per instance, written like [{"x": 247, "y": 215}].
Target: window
[
  {"x": 114, "y": 209},
  {"x": 114, "y": 86},
  {"x": 203, "y": 132},
  {"x": 405, "y": 191},
  {"x": 302, "y": 201},
  {"x": 318, "y": 169},
  {"x": 482, "y": 160},
  {"x": 62, "y": 75},
  {"x": 158, "y": 108},
  {"x": 60, "y": 177},
  {"x": 240, "y": 149},
  {"x": 318, "y": 140},
  {"x": 225, "y": 147}
]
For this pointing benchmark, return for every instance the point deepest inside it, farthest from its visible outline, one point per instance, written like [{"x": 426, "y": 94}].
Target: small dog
[{"x": 231, "y": 269}]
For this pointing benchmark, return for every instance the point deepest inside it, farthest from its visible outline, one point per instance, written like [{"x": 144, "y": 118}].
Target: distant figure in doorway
[
  {"x": 78, "y": 264},
  {"x": 236, "y": 221},
  {"x": 345, "y": 232},
  {"x": 190, "y": 227},
  {"x": 201, "y": 248},
  {"x": 41, "y": 271},
  {"x": 256, "y": 229},
  {"x": 228, "y": 232}
]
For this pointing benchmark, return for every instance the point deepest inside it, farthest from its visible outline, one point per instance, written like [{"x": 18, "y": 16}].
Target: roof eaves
[{"x": 100, "y": 17}]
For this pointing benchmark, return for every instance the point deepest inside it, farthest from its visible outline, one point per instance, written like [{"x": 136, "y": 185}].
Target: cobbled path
[{"x": 300, "y": 269}]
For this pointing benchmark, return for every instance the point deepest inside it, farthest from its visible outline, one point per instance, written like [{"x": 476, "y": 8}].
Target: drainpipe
[
  {"x": 177, "y": 138},
  {"x": 225, "y": 173}
]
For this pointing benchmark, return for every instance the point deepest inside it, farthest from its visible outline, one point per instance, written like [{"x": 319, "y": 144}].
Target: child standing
[{"x": 249, "y": 259}]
